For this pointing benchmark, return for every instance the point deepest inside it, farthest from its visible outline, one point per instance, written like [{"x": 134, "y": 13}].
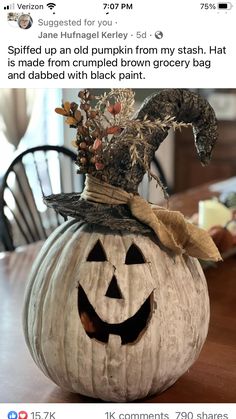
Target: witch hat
[{"x": 112, "y": 159}]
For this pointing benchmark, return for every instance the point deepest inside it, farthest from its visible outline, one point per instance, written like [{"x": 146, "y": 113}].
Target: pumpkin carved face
[
  {"x": 111, "y": 315},
  {"x": 116, "y": 298}
]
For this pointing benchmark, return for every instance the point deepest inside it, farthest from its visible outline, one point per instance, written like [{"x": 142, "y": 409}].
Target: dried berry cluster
[{"x": 94, "y": 125}]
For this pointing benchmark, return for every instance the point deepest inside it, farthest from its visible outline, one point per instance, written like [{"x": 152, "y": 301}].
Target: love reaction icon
[{"x": 22, "y": 415}]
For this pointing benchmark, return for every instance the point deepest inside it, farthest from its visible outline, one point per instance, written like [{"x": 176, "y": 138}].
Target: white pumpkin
[{"x": 145, "y": 312}]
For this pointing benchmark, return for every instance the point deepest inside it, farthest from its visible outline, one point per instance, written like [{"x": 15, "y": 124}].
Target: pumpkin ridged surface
[{"x": 164, "y": 350}]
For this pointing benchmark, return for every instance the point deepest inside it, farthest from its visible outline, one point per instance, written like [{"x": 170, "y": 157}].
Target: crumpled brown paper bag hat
[{"x": 115, "y": 150}]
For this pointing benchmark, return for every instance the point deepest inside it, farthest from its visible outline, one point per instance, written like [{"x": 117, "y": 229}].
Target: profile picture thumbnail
[
  {"x": 25, "y": 21},
  {"x": 12, "y": 19}
]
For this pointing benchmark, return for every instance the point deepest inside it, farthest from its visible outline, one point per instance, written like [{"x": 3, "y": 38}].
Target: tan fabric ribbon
[{"x": 172, "y": 229}]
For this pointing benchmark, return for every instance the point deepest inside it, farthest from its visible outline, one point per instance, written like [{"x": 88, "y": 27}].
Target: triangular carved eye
[
  {"x": 97, "y": 254},
  {"x": 113, "y": 291},
  {"x": 134, "y": 255}
]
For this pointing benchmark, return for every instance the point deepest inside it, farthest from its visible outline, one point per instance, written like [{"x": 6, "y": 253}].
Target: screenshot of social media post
[{"x": 117, "y": 210}]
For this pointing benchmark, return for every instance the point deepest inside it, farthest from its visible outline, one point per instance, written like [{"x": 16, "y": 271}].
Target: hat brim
[{"x": 116, "y": 217}]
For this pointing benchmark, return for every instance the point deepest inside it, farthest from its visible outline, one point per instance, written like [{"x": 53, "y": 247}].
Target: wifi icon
[{"x": 51, "y": 5}]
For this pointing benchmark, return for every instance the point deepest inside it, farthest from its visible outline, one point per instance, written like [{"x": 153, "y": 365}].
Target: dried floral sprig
[
  {"x": 123, "y": 98},
  {"x": 96, "y": 125},
  {"x": 108, "y": 120},
  {"x": 135, "y": 136}
]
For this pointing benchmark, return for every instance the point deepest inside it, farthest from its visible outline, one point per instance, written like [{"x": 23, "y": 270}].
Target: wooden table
[{"x": 211, "y": 379}]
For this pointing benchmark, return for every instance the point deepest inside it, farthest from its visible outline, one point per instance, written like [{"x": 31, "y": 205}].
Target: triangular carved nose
[{"x": 113, "y": 291}]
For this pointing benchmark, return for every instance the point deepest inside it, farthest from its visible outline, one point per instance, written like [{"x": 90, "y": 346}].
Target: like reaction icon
[
  {"x": 12, "y": 415},
  {"x": 22, "y": 415}
]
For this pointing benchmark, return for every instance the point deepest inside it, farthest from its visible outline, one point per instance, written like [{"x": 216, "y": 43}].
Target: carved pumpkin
[
  {"x": 147, "y": 313},
  {"x": 115, "y": 308}
]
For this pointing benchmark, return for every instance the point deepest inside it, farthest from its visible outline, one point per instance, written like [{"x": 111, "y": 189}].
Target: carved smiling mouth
[{"x": 96, "y": 328}]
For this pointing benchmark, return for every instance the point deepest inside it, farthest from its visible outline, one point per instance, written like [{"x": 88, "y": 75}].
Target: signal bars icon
[{"x": 9, "y": 7}]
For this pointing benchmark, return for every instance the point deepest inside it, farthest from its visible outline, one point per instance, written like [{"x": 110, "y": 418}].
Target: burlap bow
[{"x": 172, "y": 229}]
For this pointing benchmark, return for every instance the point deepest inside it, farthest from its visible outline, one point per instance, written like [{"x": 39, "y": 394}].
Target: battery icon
[{"x": 225, "y": 6}]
